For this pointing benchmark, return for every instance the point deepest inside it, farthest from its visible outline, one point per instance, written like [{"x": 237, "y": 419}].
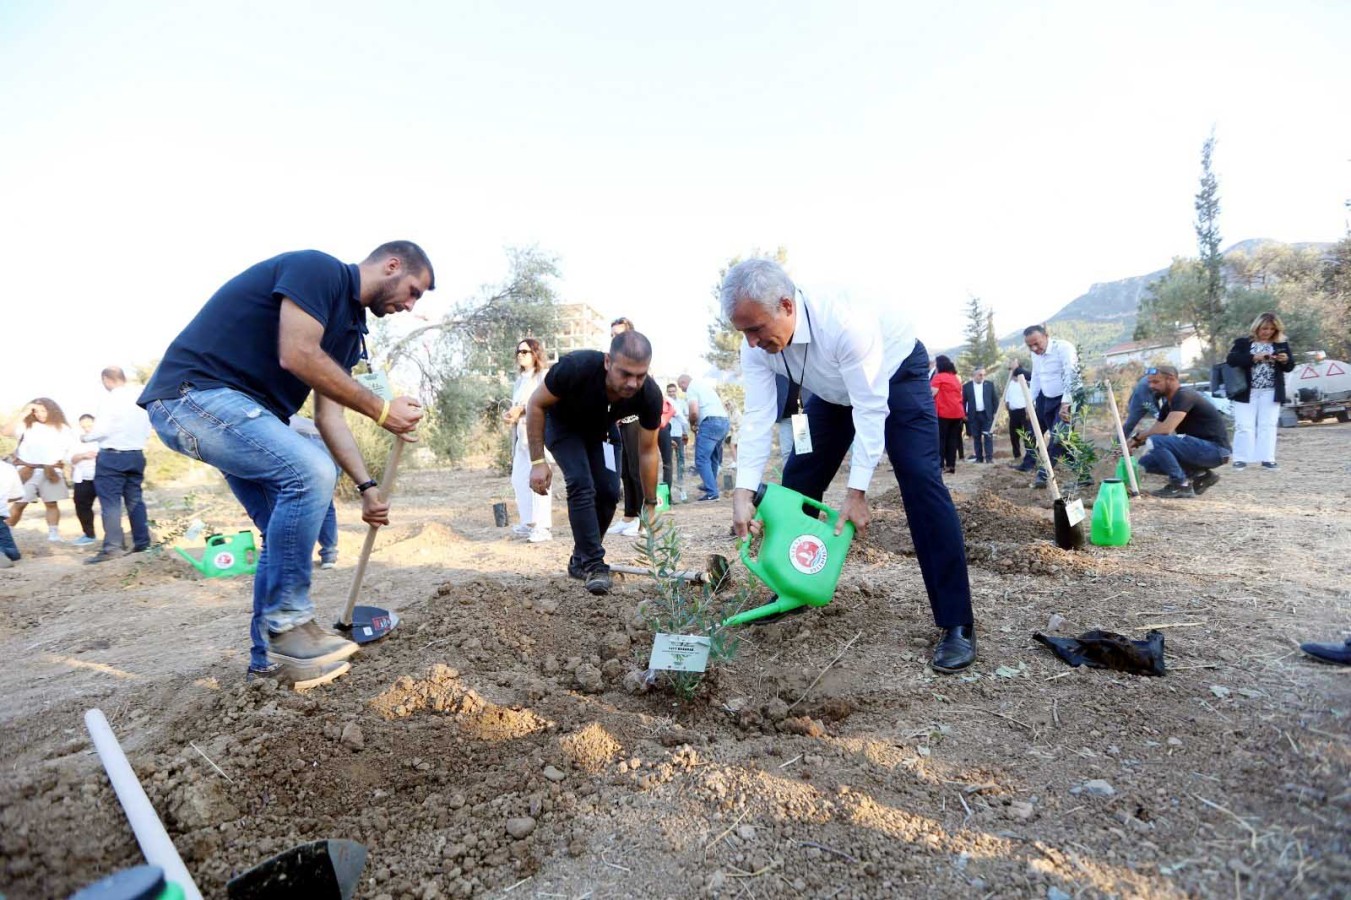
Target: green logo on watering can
[{"x": 808, "y": 554}]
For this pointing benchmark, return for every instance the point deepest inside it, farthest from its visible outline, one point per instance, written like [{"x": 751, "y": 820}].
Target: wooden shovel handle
[
  {"x": 1121, "y": 436},
  {"x": 386, "y": 489},
  {"x": 1041, "y": 441}
]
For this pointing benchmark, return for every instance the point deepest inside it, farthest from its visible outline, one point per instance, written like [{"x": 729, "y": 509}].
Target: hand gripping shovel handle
[
  {"x": 145, "y": 823},
  {"x": 386, "y": 488},
  {"x": 1121, "y": 437},
  {"x": 1041, "y": 440}
]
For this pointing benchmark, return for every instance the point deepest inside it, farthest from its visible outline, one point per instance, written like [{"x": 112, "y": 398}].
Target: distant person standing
[
  {"x": 82, "y": 467},
  {"x": 572, "y": 413},
  {"x": 535, "y": 510},
  {"x": 978, "y": 401},
  {"x": 1016, "y": 404},
  {"x": 1055, "y": 377},
  {"x": 121, "y": 430},
  {"x": 680, "y": 437},
  {"x": 45, "y": 443},
  {"x": 1264, "y": 356},
  {"x": 629, "y": 480},
  {"x": 708, "y": 416},
  {"x": 947, "y": 394}
]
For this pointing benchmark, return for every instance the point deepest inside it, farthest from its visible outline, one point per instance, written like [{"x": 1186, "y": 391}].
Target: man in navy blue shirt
[{"x": 229, "y": 383}]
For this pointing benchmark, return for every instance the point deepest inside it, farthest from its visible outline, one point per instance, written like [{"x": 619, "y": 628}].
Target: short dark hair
[
  {"x": 631, "y": 345},
  {"x": 410, "y": 254},
  {"x": 1034, "y": 329},
  {"x": 943, "y": 364},
  {"x": 84, "y": 416},
  {"x": 114, "y": 374},
  {"x": 672, "y": 384},
  {"x": 623, "y": 320}
]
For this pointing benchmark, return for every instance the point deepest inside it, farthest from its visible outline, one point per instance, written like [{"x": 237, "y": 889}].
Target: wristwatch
[{"x": 366, "y": 485}]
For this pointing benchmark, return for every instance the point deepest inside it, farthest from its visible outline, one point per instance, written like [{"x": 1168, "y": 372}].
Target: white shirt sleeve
[
  {"x": 861, "y": 354},
  {"x": 757, "y": 422}
]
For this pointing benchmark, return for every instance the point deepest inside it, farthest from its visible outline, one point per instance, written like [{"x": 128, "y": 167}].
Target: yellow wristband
[
  {"x": 384, "y": 414},
  {"x": 536, "y": 462}
]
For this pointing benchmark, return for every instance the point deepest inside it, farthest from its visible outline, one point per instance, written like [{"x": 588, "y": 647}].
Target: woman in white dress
[
  {"x": 535, "y": 510},
  {"x": 46, "y": 443}
]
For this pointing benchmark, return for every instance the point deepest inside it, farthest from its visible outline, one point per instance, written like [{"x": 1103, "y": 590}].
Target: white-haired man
[{"x": 868, "y": 378}]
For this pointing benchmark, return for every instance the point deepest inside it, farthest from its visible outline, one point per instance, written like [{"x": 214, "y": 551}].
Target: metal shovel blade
[
  {"x": 369, "y": 623},
  {"x": 321, "y": 870}
]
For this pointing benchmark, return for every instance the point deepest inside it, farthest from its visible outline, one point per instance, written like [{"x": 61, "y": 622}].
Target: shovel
[
  {"x": 1069, "y": 529},
  {"x": 1121, "y": 438},
  {"x": 364, "y": 624},
  {"x": 714, "y": 572},
  {"x": 323, "y": 870}
]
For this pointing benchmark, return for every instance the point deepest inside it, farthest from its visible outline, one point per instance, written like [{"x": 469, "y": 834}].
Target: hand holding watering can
[{"x": 854, "y": 511}]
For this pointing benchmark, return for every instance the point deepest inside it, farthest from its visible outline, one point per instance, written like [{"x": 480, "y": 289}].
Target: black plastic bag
[{"x": 1109, "y": 650}]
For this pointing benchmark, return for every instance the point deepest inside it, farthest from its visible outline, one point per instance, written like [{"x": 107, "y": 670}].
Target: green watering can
[
  {"x": 1111, "y": 525},
  {"x": 800, "y": 558},
  {"x": 1121, "y": 474},
  {"x": 663, "y": 497},
  {"x": 225, "y": 556}
]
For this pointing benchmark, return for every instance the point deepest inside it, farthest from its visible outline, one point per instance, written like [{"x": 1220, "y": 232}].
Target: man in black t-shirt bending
[
  {"x": 571, "y": 413},
  {"x": 1188, "y": 441}
]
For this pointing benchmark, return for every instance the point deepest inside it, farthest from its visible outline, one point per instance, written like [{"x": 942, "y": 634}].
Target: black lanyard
[{"x": 795, "y": 388}]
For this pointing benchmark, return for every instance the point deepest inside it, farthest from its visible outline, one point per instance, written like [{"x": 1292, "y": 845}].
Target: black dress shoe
[{"x": 956, "y": 649}]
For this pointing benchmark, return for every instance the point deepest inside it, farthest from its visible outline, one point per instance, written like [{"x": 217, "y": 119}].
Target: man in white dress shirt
[
  {"x": 1055, "y": 376},
  {"x": 121, "y": 429},
  {"x": 868, "y": 378}
]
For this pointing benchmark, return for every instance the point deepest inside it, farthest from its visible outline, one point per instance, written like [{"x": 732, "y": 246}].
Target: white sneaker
[
  {"x": 6, "y": 562},
  {"x": 540, "y": 535},
  {"x": 328, "y": 565},
  {"x": 521, "y": 530},
  {"x": 54, "y": 537},
  {"x": 629, "y": 529},
  {"x": 618, "y": 527}
]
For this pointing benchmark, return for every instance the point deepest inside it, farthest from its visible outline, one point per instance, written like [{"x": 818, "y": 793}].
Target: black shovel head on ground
[
  {"x": 369, "y": 623},
  {"x": 320, "y": 870},
  {"x": 1067, "y": 536}
]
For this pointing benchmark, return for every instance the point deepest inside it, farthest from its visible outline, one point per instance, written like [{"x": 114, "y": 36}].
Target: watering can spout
[{"x": 197, "y": 564}]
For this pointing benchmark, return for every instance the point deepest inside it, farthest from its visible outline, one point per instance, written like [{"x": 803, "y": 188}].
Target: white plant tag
[
  {"x": 609, "y": 450},
  {"x": 802, "y": 435},
  {"x": 1074, "y": 511},
  {"x": 679, "y": 652},
  {"x": 377, "y": 383}
]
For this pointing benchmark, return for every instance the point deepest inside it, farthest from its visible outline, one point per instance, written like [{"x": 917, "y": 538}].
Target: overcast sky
[{"x": 910, "y": 153}]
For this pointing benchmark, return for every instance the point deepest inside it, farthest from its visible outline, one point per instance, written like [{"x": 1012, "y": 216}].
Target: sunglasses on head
[
  {"x": 1152, "y": 370},
  {"x": 520, "y": 350}
]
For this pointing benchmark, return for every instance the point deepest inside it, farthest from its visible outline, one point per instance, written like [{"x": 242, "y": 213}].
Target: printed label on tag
[
  {"x": 377, "y": 383},
  {"x": 679, "y": 652},
  {"x": 609, "y": 450},
  {"x": 1075, "y": 511},
  {"x": 224, "y": 560},
  {"x": 802, "y": 435},
  {"x": 808, "y": 554}
]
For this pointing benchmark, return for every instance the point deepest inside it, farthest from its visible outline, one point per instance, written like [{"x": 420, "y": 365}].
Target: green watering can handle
[
  {"x": 215, "y": 540},
  {"x": 752, "y": 565}
]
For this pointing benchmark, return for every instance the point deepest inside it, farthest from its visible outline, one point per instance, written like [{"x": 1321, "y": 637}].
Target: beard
[{"x": 385, "y": 298}]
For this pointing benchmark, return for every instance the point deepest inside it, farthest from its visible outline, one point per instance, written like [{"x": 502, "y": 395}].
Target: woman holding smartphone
[{"x": 1264, "y": 356}]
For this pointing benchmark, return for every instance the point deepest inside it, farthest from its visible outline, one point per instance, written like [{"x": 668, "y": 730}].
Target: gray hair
[{"x": 761, "y": 280}]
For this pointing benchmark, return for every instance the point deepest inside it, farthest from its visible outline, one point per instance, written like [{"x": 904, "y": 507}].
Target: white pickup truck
[{"x": 1317, "y": 389}]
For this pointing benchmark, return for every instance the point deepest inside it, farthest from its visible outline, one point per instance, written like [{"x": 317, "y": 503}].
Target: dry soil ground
[{"x": 502, "y": 696}]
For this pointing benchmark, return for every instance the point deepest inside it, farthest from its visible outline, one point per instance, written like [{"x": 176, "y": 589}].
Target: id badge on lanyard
[{"x": 802, "y": 434}]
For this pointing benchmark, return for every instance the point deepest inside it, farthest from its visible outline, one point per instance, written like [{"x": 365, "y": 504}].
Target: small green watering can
[
  {"x": 1122, "y": 465},
  {"x": 1111, "y": 525},
  {"x": 663, "y": 497},
  {"x": 800, "y": 558},
  {"x": 225, "y": 556}
]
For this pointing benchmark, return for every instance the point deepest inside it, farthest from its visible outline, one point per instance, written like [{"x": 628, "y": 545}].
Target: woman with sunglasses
[{"x": 535, "y": 510}]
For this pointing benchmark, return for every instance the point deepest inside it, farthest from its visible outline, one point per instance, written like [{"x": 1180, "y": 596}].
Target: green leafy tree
[
  {"x": 464, "y": 361},
  {"x": 724, "y": 341},
  {"x": 1208, "y": 243},
  {"x": 1333, "y": 300},
  {"x": 982, "y": 345}
]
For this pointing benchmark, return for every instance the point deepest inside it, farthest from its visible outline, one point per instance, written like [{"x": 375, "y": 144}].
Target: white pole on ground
[{"x": 145, "y": 822}]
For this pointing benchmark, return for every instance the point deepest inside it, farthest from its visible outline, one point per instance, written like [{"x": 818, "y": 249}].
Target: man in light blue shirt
[
  {"x": 868, "y": 377},
  {"x": 708, "y": 416}
]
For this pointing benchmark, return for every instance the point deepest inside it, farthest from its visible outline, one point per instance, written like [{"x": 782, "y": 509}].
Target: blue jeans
[
  {"x": 708, "y": 451},
  {"x": 7, "y": 545},
  {"x": 280, "y": 472},
  {"x": 328, "y": 533},
  {"x": 912, "y": 446},
  {"x": 593, "y": 492},
  {"x": 1178, "y": 455},
  {"x": 118, "y": 475}
]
